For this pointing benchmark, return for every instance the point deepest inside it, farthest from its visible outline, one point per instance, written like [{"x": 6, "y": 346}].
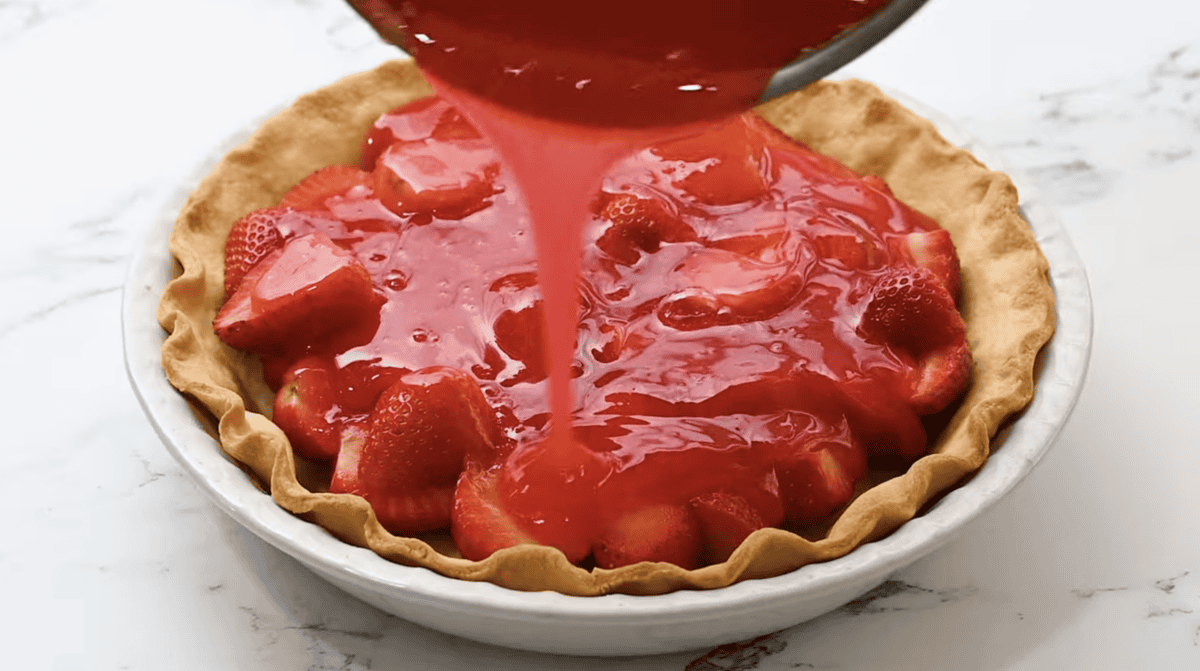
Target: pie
[{"x": 1006, "y": 306}]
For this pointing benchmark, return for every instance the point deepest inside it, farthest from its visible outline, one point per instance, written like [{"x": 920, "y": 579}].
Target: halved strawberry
[
  {"x": 548, "y": 490},
  {"x": 414, "y": 510},
  {"x": 848, "y": 251},
  {"x": 261, "y": 232},
  {"x": 333, "y": 180},
  {"x": 657, "y": 533},
  {"x": 728, "y": 288},
  {"x": 419, "y": 120},
  {"x": 363, "y": 381},
  {"x": 404, "y": 512},
  {"x": 521, "y": 334},
  {"x": 941, "y": 377},
  {"x": 912, "y": 309},
  {"x": 934, "y": 251},
  {"x": 422, "y": 428},
  {"x": 726, "y": 519},
  {"x": 479, "y": 523},
  {"x": 345, "y": 470},
  {"x": 303, "y": 294},
  {"x": 885, "y": 422},
  {"x": 446, "y": 179},
  {"x": 412, "y": 122},
  {"x": 252, "y": 238},
  {"x": 307, "y": 409},
  {"x": 638, "y": 224},
  {"x": 817, "y": 478},
  {"x": 728, "y": 163}
]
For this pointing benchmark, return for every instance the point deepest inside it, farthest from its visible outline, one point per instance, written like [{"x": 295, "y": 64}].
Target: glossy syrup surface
[{"x": 723, "y": 279}]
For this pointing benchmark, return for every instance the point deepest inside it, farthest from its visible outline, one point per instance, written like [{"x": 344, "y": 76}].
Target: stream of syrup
[{"x": 563, "y": 91}]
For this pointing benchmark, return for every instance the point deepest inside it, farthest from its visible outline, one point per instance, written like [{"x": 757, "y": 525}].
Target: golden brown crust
[{"x": 1007, "y": 303}]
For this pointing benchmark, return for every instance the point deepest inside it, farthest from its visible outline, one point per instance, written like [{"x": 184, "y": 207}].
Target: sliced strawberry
[
  {"x": 941, "y": 377},
  {"x": 306, "y": 408},
  {"x": 446, "y": 179},
  {"x": 638, "y": 224},
  {"x": 657, "y": 533},
  {"x": 452, "y": 125},
  {"x": 256, "y": 235},
  {"x": 816, "y": 479},
  {"x": 363, "y": 381},
  {"x": 911, "y": 309},
  {"x": 422, "y": 428},
  {"x": 413, "y": 511},
  {"x": 403, "y": 512},
  {"x": 521, "y": 334},
  {"x": 727, "y": 163},
  {"x": 306, "y": 293},
  {"x": 252, "y": 238},
  {"x": 333, "y": 180},
  {"x": 848, "y": 251},
  {"x": 345, "y": 470},
  {"x": 728, "y": 288},
  {"x": 408, "y": 123},
  {"x": 479, "y": 524},
  {"x": 549, "y": 491},
  {"x": 726, "y": 520},
  {"x": 934, "y": 251}
]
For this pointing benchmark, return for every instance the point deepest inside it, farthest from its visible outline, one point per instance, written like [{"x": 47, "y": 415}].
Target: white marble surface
[{"x": 113, "y": 559}]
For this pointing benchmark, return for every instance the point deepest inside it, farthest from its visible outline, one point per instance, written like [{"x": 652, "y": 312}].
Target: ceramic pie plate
[{"x": 613, "y": 624}]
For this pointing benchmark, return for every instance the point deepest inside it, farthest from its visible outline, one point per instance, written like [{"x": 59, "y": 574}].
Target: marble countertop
[{"x": 113, "y": 559}]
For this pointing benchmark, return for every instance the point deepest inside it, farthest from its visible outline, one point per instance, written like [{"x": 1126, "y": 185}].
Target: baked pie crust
[{"x": 1007, "y": 303}]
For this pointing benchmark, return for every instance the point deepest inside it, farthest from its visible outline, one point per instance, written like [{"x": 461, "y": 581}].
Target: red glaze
[{"x": 722, "y": 367}]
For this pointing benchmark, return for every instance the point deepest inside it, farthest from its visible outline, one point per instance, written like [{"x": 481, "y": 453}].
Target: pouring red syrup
[
  {"x": 517, "y": 69},
  {"x": 724, "y": 377},
  {"x": 702, "y": 363}
]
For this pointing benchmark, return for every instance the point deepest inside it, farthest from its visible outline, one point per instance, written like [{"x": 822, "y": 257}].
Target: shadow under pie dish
[{"x": 1008, "y": 307}]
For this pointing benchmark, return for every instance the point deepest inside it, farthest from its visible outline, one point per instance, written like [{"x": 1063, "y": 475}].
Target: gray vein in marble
[
  {"x": 72, "y": 300},
  {"x": 326, "y": 629},
  {"x": 1167, "y": 585},
  {"x": 741, "y": 656},
  {"x": 1087, "y": 593},
  {"x": 1074, "y": 181},
  {"x": 22, "y": 17},
  {"x": 153, "y": 474},
  {"x": 1159, "y": 612},
  {"x": 896, "y": 596}
]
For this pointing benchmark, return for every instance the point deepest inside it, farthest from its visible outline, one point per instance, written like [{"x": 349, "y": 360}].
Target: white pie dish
[{"x": 613, "y": 624}]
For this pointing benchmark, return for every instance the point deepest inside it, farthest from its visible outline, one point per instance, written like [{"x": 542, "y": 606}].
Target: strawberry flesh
[
  {"x": 639, "y": 225},
  {"x": 314, "y": 191},
  {"x": 307, "y": 293},
  {"x": 480, "y": 525},
  {"x": 655, "y": 533},
  {"x": 933, "y": 251},
  {"x": 913, "y": 310},
  {"x": 252, "y": 238},
  {"x": 726, "y": 519},
  {"x": 306, "y": 408},
  {"x": 817, "y": 479},
  {"x": 447, "y": 179},
  {"x": 422, "y": 428},
  {"x": 724, "y": 166},
  {"x": 345, "y": 470}
]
